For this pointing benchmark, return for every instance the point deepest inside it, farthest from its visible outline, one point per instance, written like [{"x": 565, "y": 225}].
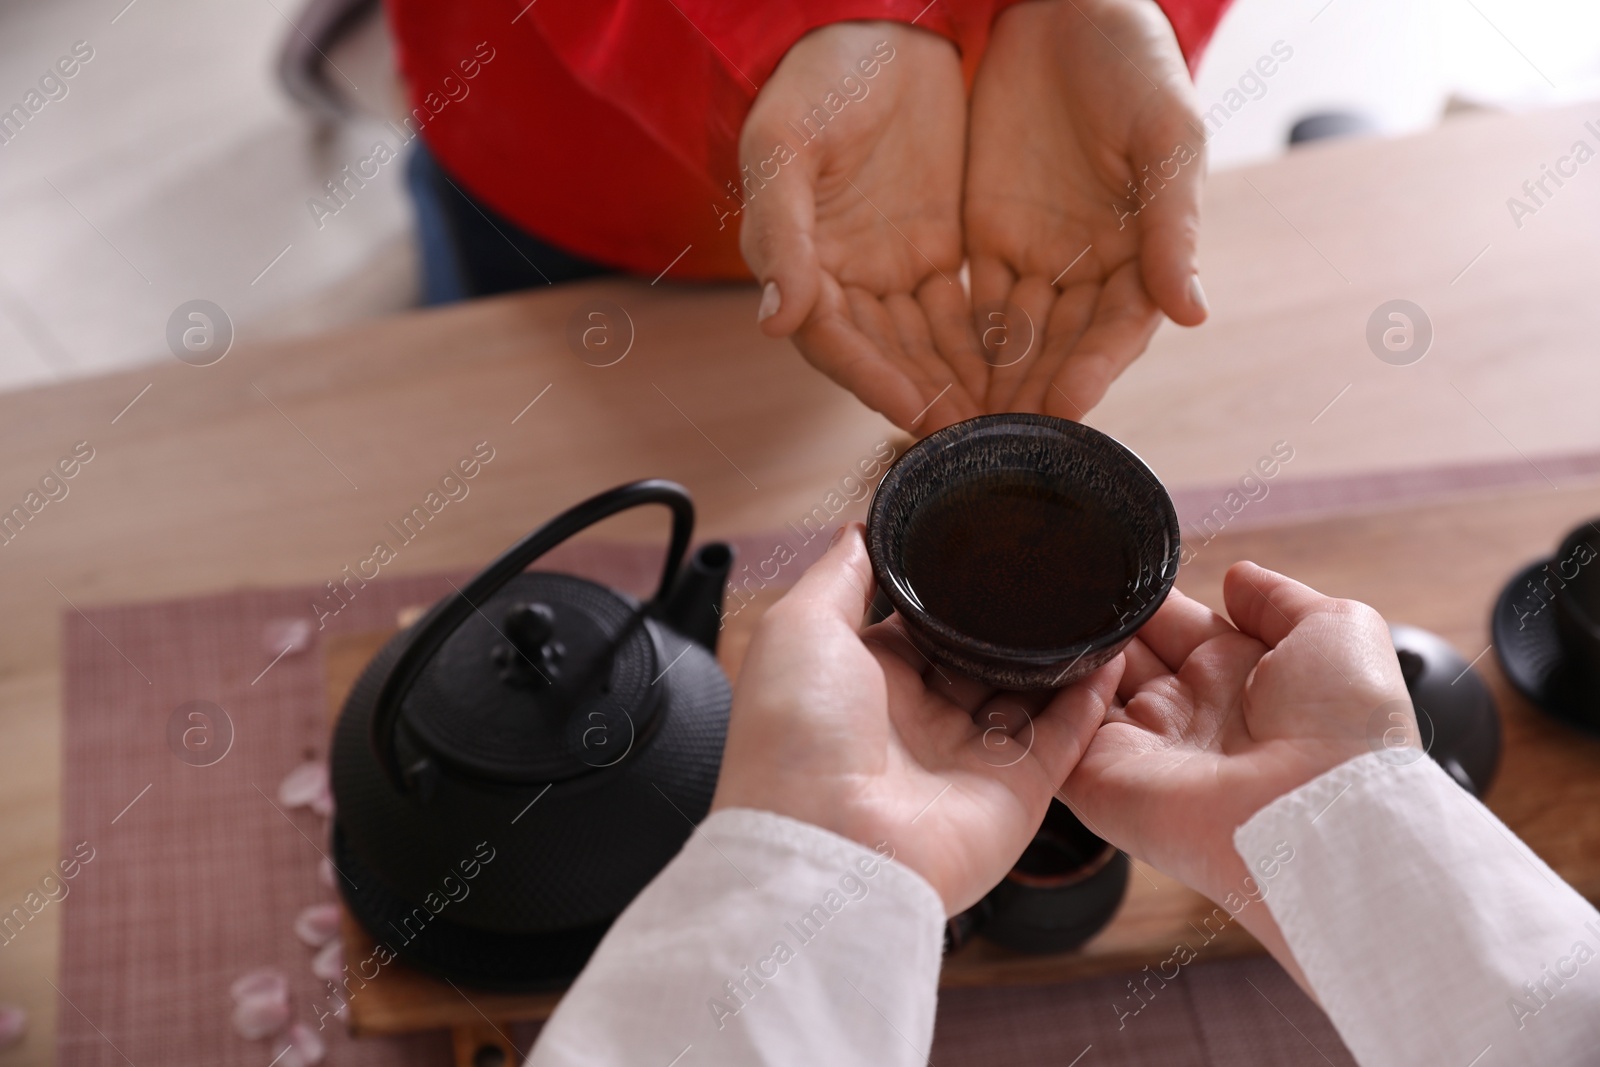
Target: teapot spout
[{"x": 694, "y": 607}]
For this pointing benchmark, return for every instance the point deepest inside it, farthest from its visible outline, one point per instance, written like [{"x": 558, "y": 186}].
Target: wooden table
[{"x": 278, "y": 464}]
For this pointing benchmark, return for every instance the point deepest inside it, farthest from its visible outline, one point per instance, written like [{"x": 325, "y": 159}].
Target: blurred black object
[
  {"x": 1546, "y": 629},
  {"x": 303, "y": 60},
  {"x": 544, "y": 734},
  {"x": 1064, "y": 890},
  {"x": 1456, "y": 714},
  {"x": 1320, "y": 126}
]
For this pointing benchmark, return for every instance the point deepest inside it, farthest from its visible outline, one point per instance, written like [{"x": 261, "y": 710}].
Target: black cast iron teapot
[{"x": 511, "y": 770}]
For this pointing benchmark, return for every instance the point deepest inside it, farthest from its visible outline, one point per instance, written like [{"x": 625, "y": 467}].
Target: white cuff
[
  {"x": 1428, "y": 931},
  {"x": 766, "y": 940}
]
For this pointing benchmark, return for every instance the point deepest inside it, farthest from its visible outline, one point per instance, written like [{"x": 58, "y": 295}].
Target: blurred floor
[{"x": 174, "y": 168}]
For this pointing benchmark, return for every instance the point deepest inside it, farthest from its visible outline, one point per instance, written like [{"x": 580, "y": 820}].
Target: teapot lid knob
[{"x": 530, "y": 627}]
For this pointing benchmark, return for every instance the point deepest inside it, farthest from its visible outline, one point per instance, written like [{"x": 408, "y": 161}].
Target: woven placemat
[{"x": 197, "y": 874}]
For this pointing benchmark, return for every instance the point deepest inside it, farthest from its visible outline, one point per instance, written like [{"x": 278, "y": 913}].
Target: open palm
[
  {"x": 1082, "y": 201},
  {"x": 855, "y": 732},
  {"x": 1216, "y": 719},
  {"x": 855, "y": 233}
]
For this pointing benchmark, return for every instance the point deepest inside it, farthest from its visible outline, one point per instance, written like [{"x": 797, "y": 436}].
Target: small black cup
[
  {"x": 970, "y": 458},
  {"x": 1546, "y": 629},
  {"x": 1577, "y": 606},
  {"x": 1458, "y": 723},
  {"x": 1064, "y": 890}
]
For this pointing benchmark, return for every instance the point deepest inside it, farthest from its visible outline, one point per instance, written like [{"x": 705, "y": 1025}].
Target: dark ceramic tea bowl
[
  {"x": 975, "y": 460},
  {"x": 1065, "y": 889}
]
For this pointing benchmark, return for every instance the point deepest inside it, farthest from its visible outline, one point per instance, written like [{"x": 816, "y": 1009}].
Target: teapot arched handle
[{"x": 444, "y": 617}]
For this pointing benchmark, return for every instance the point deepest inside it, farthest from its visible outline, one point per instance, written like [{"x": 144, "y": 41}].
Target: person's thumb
[
  {"x": 777, "y": 237},
  {"x": 840, "y": 583},
  {"x": 1170, "y": 181},
  {"x": 1268, "y": 605},
  {"x": 1066, "y": 727}
]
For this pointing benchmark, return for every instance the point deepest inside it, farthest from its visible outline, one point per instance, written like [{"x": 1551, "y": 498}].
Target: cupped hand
[
  {"x": 1215, "y": 719},
  {"x": 1082, "y": 202},
  {"x": 852, "y": 159},
  {"x": 853, "y": 730}
]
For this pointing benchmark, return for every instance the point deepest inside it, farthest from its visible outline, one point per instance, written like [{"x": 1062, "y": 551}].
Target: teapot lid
[{"x": 550, "y": 678}]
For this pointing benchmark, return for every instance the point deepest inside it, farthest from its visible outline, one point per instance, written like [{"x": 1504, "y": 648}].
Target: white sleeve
[
  {"x": 1428, "y": 931},
  {"x": 765, "y": 941}
]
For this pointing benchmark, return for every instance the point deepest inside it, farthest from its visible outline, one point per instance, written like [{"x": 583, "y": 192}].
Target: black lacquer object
[
  {"x": 1051, "y": 545},
  {"x": 560, "y": 728},
  {"x": 1066, "y": 887},
  {"x": 1546, "y": 629},
  {"x": 1457, "y": 721}
]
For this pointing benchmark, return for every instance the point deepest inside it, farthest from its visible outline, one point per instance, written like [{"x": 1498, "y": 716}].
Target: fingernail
[
  {"x": 770, "y": 300},
  {"x": 1197, "y": 295},
  {"x": 838, "y": 535}
]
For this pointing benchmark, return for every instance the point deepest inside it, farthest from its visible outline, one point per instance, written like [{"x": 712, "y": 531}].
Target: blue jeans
[{"x": 469, "y": 250}]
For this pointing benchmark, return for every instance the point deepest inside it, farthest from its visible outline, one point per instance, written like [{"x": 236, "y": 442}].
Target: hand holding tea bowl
[
  {"x": 1187, "y": 725},
  {"x": 1214, "y": 719},
  {"x": 848, "y": 729}
]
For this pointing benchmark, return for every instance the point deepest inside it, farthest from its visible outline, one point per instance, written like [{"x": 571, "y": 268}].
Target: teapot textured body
[{"x": 512, "y": 770}]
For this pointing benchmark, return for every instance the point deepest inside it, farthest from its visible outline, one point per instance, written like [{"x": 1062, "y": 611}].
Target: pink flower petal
[
  {"x": 261, "y": 1015},
  {"x": 318, "y": 924},
  {"x": 13, "y": 1024},
  {"x": 259, "y": 982},
  {"x": 293, "y": 634},
  {"x": 302, "y": 1047},
  {"x": 325, "y": 872},
  {"x": 329, "y": 962},
  {"x": 304, "y": 784},
  {"x": 322, "y": 803}
]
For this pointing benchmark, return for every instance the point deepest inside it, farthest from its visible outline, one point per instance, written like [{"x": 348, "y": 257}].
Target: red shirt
[{"x": 610, "y": 127}]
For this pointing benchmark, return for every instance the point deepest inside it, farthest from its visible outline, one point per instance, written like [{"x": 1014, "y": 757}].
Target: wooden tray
[{"x": 1438, "y": 566}]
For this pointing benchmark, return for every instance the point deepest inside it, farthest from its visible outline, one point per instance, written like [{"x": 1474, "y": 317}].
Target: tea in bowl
[{"x": 1022, "y": 550}]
